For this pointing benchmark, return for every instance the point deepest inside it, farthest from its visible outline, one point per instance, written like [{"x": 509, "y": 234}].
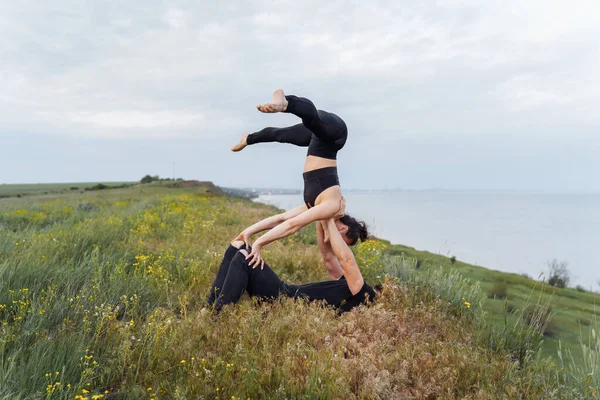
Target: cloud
[
  {"x": 135, "y": 119},
  {"x": 529, "y": 91},
  {"x": 88, "y": 65},
  {"x": 393, "y": 70},
  {"x": 175, "y": 18}
]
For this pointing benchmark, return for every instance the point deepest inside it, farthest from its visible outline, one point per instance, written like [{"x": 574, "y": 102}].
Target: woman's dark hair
[{"x": 356, "y": 230}]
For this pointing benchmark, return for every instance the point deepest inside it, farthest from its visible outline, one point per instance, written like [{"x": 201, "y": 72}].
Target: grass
[
  {"x": 569, "y": 306},
  {"x": 104, "y": 302}
]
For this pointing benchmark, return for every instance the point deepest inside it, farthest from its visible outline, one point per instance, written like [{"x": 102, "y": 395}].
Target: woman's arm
[
  {"x": 331, "y": 262},
  {"x": 346, "y": 258},
  {"x": 269, "y": 223},
  {"x": 324, "y": 210}
]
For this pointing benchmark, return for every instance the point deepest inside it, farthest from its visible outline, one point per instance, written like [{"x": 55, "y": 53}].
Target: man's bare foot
[
  {"x": 243, "y": 143},
  {"x": 278, "y": 103}
]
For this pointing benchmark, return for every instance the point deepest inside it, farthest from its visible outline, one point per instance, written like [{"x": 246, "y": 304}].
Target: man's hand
[
  {"x": 244, "y": 237},
  {"x": 255, "y": 258},
  {"x": 325, "y": 229},
  {"x": 342, "y": 210}
]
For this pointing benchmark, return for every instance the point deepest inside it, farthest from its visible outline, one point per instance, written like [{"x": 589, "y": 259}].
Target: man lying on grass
[{"x": 236, "y": 275}]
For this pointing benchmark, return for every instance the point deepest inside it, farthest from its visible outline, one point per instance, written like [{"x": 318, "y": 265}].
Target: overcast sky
[{"x": 436, "y": 94}]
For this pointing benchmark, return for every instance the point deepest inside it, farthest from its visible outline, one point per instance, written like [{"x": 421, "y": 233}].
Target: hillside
[
  {"x": 573, "y": 313},
  {"x": 20, "y": 190},
  {"x": 104, "y": 301},
  {"x": 206, "y": 186}
]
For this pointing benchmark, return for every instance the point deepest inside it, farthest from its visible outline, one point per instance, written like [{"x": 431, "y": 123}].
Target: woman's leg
[
  {"x": 325, "y": 125},
  {"x": 261, "y": 283},
  {"x": 222, "y": 272},
  {"x": 298, "y": 135}
]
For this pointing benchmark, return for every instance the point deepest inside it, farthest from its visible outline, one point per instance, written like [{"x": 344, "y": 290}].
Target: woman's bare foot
[
  {"x": 242, "y": 144},
  {"x": 278, "y": 103}
]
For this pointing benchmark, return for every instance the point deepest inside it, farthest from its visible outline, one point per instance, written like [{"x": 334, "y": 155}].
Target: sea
[{"x": 504, "y": 231}]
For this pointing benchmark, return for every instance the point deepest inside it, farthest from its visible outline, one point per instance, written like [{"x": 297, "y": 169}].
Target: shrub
[
  {"x": 99, "y": 186},
  {"x": 580, "y": 288},
  {"x": 155, "y": 178},
  {"x": 499, "y": 291},
  {"x": 557, "y": 281},
  {"x": 558, "y": 273},
  {"x": 453, "y": 259}
]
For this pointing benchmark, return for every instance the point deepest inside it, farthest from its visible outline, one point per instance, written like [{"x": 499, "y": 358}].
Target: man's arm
[
  {"x": 334, "y": 268},
  {"x": 346, "y": 258}
]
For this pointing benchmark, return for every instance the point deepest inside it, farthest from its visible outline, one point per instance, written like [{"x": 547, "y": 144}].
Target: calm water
[{"x": 513, "y": 232}]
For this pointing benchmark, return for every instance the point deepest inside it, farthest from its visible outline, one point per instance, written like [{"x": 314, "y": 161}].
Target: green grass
[
  {"x": 569, "y": 307},
  {"x": 13, "y": 190},
  {"x": 104, "y": 301}
]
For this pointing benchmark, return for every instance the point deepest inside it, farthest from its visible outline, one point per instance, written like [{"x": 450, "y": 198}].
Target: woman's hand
[
  {"x": 255, "y": 257},
  {"x": 244, "y": 236}
]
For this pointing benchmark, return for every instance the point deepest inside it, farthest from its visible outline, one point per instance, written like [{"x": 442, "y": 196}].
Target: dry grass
[{"x": 105, "y": 303}]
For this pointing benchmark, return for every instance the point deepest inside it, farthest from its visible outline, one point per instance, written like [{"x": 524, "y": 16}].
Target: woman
[
  {"x": 236, "y": 275},
  {"x": 324, "y": 134}
]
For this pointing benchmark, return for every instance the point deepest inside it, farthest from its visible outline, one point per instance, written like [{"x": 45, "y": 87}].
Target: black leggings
[
  {"x": 235, "y": 276},
  {"x": 326, "y": 126}
]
